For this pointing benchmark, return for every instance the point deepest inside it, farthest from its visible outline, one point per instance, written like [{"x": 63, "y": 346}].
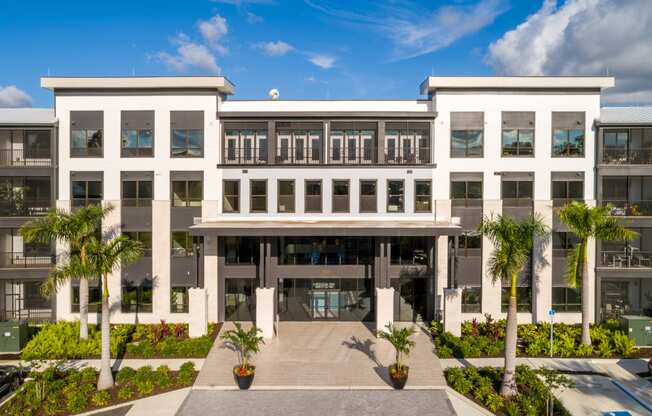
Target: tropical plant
[
  {"x": 588, "y": 222},
  {"x": 400, "y": 340},
  {"x": 246, "y": 343},
  {"x": 513, "y": 242},
  {"x": 75, "y": 229}
]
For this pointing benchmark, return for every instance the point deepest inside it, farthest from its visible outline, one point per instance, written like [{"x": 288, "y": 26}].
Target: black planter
[
  {"x": 398, "y": 381},
  {"x": 244, "y": 382}
]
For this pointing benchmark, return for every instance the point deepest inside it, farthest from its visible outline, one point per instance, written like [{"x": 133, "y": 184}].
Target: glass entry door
[{"x": 325, "y": 304}]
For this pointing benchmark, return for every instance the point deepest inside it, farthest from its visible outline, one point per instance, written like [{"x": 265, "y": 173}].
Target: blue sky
[{"x": 308, "y": 49}]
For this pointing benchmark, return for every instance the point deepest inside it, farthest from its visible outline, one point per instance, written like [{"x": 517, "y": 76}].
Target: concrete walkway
[{"x": 317, "y": 356}]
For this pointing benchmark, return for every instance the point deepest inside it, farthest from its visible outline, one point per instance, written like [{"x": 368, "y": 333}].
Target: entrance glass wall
[
  {"x": 626, "y": 297},
  {"x": 240, "y": 299},
  {"x": 410, "y": 299},
  {"x": 326, "y": 299}
]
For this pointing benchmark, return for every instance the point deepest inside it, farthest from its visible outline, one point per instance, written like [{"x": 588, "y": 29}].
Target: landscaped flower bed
[
  {"x": 61, "y": 341},
  {"x": 486, "y": 339},
  {"x": 482, "y": 385},
  {"x": 64, "y": 392}
]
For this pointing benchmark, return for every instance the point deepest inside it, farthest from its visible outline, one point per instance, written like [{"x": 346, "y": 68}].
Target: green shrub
[
  {"x": 77, "y": 402},
  {"x": 186, "y": 374},
  {"x": 125, "y": 393},
  {"x": 605, "y": 348},
  {"x": 622, "y": 344},
  {"x": 584, "y": 351},
  {"x": 162, "y": 377},
  {"x": 88, "y": 375},
  {"x": 494, "y": 402},
  {"x": 444, "y": 352},
  {"x": 125, "y": 376},
  {"x": 101, "y": 398}
]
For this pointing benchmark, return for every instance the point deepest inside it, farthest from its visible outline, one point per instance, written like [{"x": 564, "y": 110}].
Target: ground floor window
[
  {"x": 240, "y": 299},
  {"x": 410, "y": 299},
  {"x": 137, "y": 297},
  {"x": 341, "y": 299},
  {"x": 566, "y": 299},
  {"x": 326, "y": 250},
  {"x": 523, "y": 299},
  {"x": 179, "y": 300},
  {"x": 625, "y": 297},
  {"x": 94, "y": 299},
  {"x": 23, "y": 301},
  {"x": 409, "y": 250},
  {"x": 471, "y": 300}
]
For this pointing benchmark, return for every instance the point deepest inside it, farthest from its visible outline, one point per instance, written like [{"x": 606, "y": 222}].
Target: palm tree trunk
[
  {"x": 83, "y": 308},
  {"x": 105, "y": 380},
  {"x": 509, "y": 388},
  {"x": 586, "y": 329}
]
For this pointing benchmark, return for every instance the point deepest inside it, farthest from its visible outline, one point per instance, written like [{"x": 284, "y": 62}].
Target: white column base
[
  {"x": 384, "y": 308},
  {"x": 197, "y": 312},
  {"x": 453, "y": 311},
  {"x": 265, "y": 311}
]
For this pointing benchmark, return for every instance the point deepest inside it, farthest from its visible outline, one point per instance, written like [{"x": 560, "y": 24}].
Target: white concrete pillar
[
  {"x": 542, "y": 265},
  {"x": 161, "y": 249},
  {"x": 209, "y": 210},
  {"x": 453, "y": 311},
  {"x": 111, "y": 228},
  {"x": 265, "y": 311},
  {"x": 64, "y": 293},
  {"x": 197, "y": 312},
  {"x": 490, "y": 290},
  {"x": 384, "y": 307},
  {"x": 443, "y": 210}
]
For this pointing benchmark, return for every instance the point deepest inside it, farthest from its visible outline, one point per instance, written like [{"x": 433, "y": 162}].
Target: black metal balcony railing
[
  {"x": 32, "y": 316},
  {"x": 25, "y": 208},
  {"x": 84, "y": 202},
  {"x": 622, "y": 155},
  {"x": 631, "y": 258},
  {"x": 631, "y": 208},
  {"x": 245, "y": 156},
  {"x": 407, "y": 156},
  {"x": 25, "y": 157},
  {"x": 26, "y": 260},
  {"x": 137, "y": 202}
]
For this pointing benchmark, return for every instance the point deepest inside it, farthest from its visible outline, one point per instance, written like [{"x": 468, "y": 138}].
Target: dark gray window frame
[
  {"x": 138, "y": 130},
  {"x": 278, "y": 196},
  {"x": 375, "y": 182},
  {"x": 402, "y": 210},
  {"x": 187, "y": 201},
  {"x": 452, "y": 129},
  {"x": 466, "y": 193},
  {"x": 201, "y": 129},
  {"x": 518, "y": 135},
  {"x": 321, "y": 195},
  {"x": 416, "y": 181},
  {"x": 146, "y": 202},
  {"x": 224, "y": 195},
  {"x": 348, "y": 195},
  {"x": 251, "y": 196},
  {"x": 553, "y": 128},
  {"x": 86, "y": 199},
  {"x": 86, "y": 130}
]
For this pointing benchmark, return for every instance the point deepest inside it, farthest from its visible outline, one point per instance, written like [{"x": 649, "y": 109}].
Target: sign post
[{"x": 551, "y": 313}]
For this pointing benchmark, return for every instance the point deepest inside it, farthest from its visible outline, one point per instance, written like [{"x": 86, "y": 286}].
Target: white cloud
[
  {"x": 253, "y": 18},
  {"x": 11, "y": 96},
  {"x": 584, "y": 37},
  {"x": 312, "y": 80},
  {"x": 278, "y": 48},
  {"x": 412, "y": 29},
  {"x": 213, "y": 31},
  {"x": 322, "y": 61},
  {"x": 189, "y": 55}
]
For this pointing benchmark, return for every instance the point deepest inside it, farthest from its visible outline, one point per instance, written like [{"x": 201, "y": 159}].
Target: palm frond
[{"x": 73, "y": 268}]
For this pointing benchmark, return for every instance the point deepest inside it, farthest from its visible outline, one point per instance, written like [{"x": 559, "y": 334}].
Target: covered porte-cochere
[{"x": 326, "y": 270}]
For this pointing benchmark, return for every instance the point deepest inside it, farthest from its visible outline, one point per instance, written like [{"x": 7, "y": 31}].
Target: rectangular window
[
  {"x": 231, "y": 202},
  {"x": 137, "y": 193},
  {"x": 423, "y": 196},
  {"x": 466, "y": 143},
  {"x": 517, "y": 193},
  {"x": 85, "y": 193},
  {"x": 86, "y": 133},
  {"x": 471, "y": 300},
  {"x": 137, "y": 298},
  {"x": 298, "y": 146},
  {"x": 340, "y": 196},
  {"x": 245, "y": 146},
  {"x": 258, "y": 195},
  {"x": 241, "y": 250},
  {"x": 368, "y": 196},
  {"x": 568, "y": 134},
  {"x": 187, "y": 133},
  {"x": 395, "y": 196},
  {"x": 566, "y": 299},
  {"x": 325, "y": 250},
  {"x": 523, "y": 299},
  {"x": 352, "y": 146},
  {"x": 286, "y": 196},
  {"x": 145, "y": 238},
  {"x": 407, "y": 145},
  {"x": 564, "y": 192},
  {"x": 182, "y": 244},
  {"x": 518, "y": 142},
  {"x": 466, "y": 193},
  {"x": 179, "y": 300},
  {"x": 137, "y": 134},
  {"x": 94, "y": 299},
  {"x": 409, "y": 250},
  {"x": 186, "y": 193},
  {"x": 37, "y": 145},
  {"x": 313, "y": 196}
]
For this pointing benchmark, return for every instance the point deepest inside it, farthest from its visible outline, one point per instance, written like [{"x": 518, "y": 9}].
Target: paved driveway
[{"x": 317, "y": 402}]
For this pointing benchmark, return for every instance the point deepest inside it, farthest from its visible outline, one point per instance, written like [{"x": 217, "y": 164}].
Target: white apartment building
[{"x": 325, "y": 209}]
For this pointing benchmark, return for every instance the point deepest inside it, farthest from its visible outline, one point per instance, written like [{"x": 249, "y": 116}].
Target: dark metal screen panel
[{"x": 468, "y": 120}]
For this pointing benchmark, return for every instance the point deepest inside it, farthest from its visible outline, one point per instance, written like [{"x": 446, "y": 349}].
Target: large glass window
[
  {"x": 137, "y": 142},
  {"x": 145, "y": 238},
  {"x": 340, "y": 196},
  {"x": 313, "y": 196},
  {"x": 24, "y": 196},
  {"x": 240, "y": 299},
  {"x": 410, "y": 299},
  {"x": 186, "y": 193},
  {"x": 245, "y": 146},
  {"x": 86, "y": 142},
  {"x": 179, "y": 299},
  {"x": 517, "y": 193},
  {"x": 567, "y": 143},
  {"x": 258, "y": 195},
  {"x": 518, "y": 142},
  {"x": 368, "y": 196},
  {"x": 286, "y": 195},
  {"x": 471, "y": 300},
  {"x": 187, "y": 143},
  {"x": 298, "y": 146},
  {"x": 231, "y": 201},
  {"x": 423, "y": 196},
  {"x": 85, "y": 193},
  {"x": 37, "y": 145},
  {"x": 523, "y": 299},
  {"x": 325, "y": 250},
  {"x": 137, "y": 298},
  {"x": 466, "y": 143},
  {"x": 564, "y": 192},
  {"x": 566, "y": 299},
  {"x": 94, "y": 299},
  {"x": 623, "y": 146},
  {"x": 241, "y": 250},
  {"x": 395, "y": 196},
  {"x": 407, "y": 146},
  {"x": 466, "y": 193},
  {"x": 182, "y": 244},
  {"x": 353, "y": 146},
  {"x": 409, "y": 250},
  {"x": 137, "y": 193}
]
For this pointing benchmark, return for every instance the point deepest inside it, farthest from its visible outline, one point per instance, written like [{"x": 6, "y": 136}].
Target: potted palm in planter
[
  {"x": 246, "y": 343},
  {"x": 400, "y": 340}
]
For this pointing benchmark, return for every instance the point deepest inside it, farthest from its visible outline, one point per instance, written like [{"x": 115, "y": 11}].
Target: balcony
[
  {"x": 407, "y": 156},
  {"x": 25, "y": 208},
  {"x": 619, "y": 155},
  {"x": 624, "y": 208},
  {"x": 630, "y": 258},
  {"x": 25, "y": 158},
  {"x": 245, "y": 156},
  {"x": 20, "y": 260}
]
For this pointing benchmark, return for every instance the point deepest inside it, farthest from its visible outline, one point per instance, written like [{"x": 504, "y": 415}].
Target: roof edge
[
  {"x": 433, "y": 83},
  {"x": 219, "y": 83}
]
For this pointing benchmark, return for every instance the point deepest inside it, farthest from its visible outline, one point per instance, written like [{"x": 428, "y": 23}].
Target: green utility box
[
  {"x": 639, "y": 329},
  {"x": 13, "y": 336}
]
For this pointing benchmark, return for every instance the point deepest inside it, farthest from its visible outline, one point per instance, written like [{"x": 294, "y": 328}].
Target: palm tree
[
  {"x": 246, "y": 343},
  {"x": 513, "y": 242},
  {"x": 588, "y": 222},
  {"x": 75, "y": 229},
  {"x": 400, "y": 340}
]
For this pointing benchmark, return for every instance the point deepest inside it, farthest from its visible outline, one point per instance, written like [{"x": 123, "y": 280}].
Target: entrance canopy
[{"x": 368, "y": 228}]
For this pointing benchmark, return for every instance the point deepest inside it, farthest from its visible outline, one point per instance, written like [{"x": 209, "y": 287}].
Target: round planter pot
[
  {"x": 398, "y": 381},
  {"x": 244, "y": 382}
]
